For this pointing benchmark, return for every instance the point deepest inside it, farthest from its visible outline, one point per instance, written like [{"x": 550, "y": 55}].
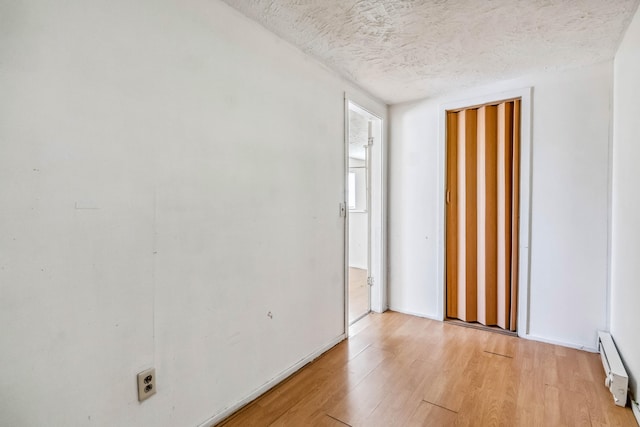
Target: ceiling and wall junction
[{"x": 402, "y": 50}]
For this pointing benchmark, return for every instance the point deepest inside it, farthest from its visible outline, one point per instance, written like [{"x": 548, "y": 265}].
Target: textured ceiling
[
  {"x": 358, "y": 134},
  {"x": 401, "y": 50}
]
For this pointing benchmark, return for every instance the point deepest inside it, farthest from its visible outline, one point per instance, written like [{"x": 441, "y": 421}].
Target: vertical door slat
[
  {"x": 487, "y": 205},
  {"x": 515, "y": 208},
  {"x": 471, "y": 163},
  {"x": 462, "y": 224},
  {"x": 467, "y": 125},
  {"x": 452, "y": 215},
  {"x": 505, "y": 131}
]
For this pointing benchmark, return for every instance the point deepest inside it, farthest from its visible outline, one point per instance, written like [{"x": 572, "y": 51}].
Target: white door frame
[
  {"x": 377, "y": 207},
  {"x": 525, "y": 198}
]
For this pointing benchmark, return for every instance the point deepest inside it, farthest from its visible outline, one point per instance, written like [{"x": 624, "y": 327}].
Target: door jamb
[{"x": 378, "y": 301}]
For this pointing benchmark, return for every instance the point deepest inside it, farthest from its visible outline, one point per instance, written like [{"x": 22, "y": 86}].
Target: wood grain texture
[
  {"x": 482, "y": 252},
  {"x": 487, "y": 215},
  {"x": 400, "y": 370},
  {"x": 451, "y": 203},
  {"x": 505, "y": 141},
  {"x": 466, "y": 215}
]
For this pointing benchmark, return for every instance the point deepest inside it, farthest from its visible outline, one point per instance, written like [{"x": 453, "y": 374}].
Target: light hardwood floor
[{"x": 399, "y": 370}]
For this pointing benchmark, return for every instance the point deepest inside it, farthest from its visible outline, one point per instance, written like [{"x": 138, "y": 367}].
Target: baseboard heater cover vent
[
  {"x": 636, "y": 410},
  {"x": 616, "y": 380}
]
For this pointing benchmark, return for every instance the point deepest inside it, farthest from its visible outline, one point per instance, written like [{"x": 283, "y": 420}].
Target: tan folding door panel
[{"x": 482, "y": 213}]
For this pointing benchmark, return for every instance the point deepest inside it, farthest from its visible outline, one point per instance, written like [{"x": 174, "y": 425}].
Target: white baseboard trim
[
  {"x": 636, "y": 410},
  {"x": 521, "y": 335},
  {"x": 560, "y": 343},
  {"x": 378, "y": 310},
  {"x": 271, "y": 383},
  {"x": 413, "y": 313}
]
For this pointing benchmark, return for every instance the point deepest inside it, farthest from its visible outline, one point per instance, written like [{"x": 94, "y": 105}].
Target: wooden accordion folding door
[{"x": 482, "y": 213}]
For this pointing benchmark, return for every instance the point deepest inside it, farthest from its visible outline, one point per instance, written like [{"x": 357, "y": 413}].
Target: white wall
[
  {"x": 170, "y": 172},
  {"x": 569, "y": 206},
  {"x": 625, "y": 241}
]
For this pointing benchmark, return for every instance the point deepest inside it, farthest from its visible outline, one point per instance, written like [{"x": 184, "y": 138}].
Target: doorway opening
[
  {"x": 363, "y": 259},
  {"x": 483, "y": 214}
]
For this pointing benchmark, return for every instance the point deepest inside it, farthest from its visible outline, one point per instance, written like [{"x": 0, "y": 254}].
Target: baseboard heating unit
[
  {"x": 636, "y": 410},
  {"x": 616, "y": 380}
]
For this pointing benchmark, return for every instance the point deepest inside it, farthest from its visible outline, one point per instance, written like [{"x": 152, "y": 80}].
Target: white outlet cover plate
[{"x": 146, "y": 385}]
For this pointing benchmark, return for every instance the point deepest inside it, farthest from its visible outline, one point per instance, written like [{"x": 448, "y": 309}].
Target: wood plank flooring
[{"x": 399, "y": 370}]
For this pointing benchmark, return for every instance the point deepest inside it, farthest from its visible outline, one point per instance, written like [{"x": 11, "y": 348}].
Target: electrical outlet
[{"x": 146, "y": 384}]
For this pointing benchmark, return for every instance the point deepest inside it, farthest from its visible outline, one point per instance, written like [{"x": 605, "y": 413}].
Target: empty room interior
[{"x": 319, "y": 212}]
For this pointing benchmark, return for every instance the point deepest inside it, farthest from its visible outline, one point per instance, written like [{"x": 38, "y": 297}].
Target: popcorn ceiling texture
[
  {"x": 358, "y": 135},
  {"x": 401, "y": 50}
]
